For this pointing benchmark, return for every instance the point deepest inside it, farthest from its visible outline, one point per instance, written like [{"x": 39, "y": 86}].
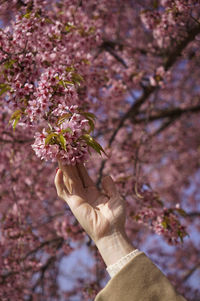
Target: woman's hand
[{"x": 102, "y": 215}]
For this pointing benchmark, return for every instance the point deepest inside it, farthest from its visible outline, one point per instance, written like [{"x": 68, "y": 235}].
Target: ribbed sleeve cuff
[{"x": 116, "y": 267}]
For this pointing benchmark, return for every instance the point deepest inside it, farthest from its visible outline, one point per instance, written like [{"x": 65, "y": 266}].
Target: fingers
[
  {"x": 71, "y": 179},
  {"x": 69, "y": 170},
  {"x": 109, "y": 186},
  {"x": 60, "y": 187},
  {"x": 86, "y": 180},
  {"x": 75, "y": 199}
]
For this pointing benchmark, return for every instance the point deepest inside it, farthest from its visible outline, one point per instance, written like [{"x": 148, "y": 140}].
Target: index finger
[
  {"x": 86, "y": 180},
  {"x": 74, "y": 200},
  {"x": 69, "y": 171},
  {"x": 71, "y": 179}
]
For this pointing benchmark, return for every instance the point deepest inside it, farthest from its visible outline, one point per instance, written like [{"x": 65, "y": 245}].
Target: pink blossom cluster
[
  {"x": 51, "y": 91},
  {"x": 160, "y": 77},
  {"x": 46, "y": 60},
  {"x": 150, "y": 210},
  {"x": 172, "y": 15},
  {"x": 96, "y": 55},
  {"x": 163, "y": 222},
  {"x": 65, "y": 141}
]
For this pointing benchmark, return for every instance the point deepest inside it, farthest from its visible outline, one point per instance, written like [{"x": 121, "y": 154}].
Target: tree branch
[
  {"x": 43, "y": 270},
  {"x": 16, "y": 141},
  {"x": 134, "y": 109},
  {"x": 172, "y": 113},
  {"x": 190, "y": 272},
  {"x": 57, "y": 240},
  {"x": 164, "y": 126},
  {"x": 175, "y": 53},
  {"x": 193, "y": 214}
]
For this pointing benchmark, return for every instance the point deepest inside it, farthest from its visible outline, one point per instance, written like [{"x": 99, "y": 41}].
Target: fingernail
[{"x": 57, "y": 170}]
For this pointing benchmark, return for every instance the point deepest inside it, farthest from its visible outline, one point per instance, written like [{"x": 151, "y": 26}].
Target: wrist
[{"x": 114, "y": 246}]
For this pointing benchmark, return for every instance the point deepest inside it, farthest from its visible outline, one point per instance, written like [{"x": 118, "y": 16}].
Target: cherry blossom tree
[{"x": 114, "y": 84}]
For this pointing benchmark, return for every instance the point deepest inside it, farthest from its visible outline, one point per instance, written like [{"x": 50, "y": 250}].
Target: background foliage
[{"x": 135, "y": 65}]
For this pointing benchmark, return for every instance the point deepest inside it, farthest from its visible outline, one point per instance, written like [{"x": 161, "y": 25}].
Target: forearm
[{"x": 114, "y": 246}]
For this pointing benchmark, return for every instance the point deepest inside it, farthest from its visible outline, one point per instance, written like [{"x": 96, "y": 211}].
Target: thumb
[{"x": 109, "y": 186}]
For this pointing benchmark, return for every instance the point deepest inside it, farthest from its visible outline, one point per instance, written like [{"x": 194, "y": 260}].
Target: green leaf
[
  {"x": 61, "y": 82},
  {"x": 155, "y": 4},
  {"x": 67, "y": 130},
  {"x": 64, "y": 83},
  {"x": 49, "y": 138},
  {"x": 15, "y": 123},
  {"x": 69, "y": 69},
  {"x": 91, "y": 124},
  {"x": 9, "y": 64},
  {"x": 69, "y": 27},
  {"x": 50, "y": 127},
  {"x": 62, "y": 141},
  {"x": 76, "y": 78},
  {"x": 85, "y": 61},
  {"x": 88, "y": 115},
  {"x": 93, "y": 143},
  {"x": 85, "y": 33},
  {"x": 15, "y": 118},
  {"x": 164, "y": 224},
  {"x": 182, "y": 234},
  {"x": 181, "y": 212},
  {"x": 136, "y": 217},
  {"x": 48, "y": 20},
  {"x": 15, "y": 114},
  {"x": 91, "y": 30},
  {"x": 4, "y": 88},
  {"x": 55, "y": 37},
  {"x": 67, "y": 82},
  {"x": 27, "y": 15},
  {"x": 62, "y": 118}
]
